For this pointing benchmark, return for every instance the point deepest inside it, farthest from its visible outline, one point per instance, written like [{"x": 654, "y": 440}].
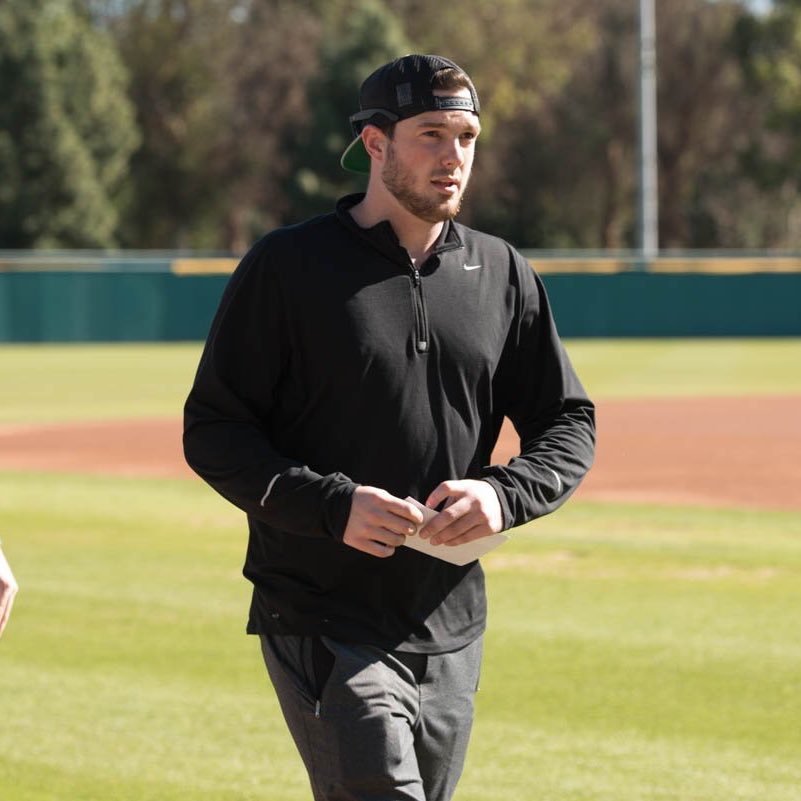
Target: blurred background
[
  {"x": 649, "y": 171},
  {"x": 200, "y": 124}
]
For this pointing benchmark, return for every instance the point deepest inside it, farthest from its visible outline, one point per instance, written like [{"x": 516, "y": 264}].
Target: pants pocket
[
  {"x": 297, "y": 662},
  {"x": 322, "y": 664}
]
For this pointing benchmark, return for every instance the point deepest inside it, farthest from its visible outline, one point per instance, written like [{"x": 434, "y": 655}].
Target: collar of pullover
[{"x": 382, "y": 235}]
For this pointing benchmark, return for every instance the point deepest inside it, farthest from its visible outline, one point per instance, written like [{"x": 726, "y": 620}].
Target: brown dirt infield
[{"x": 731, "y": 452}]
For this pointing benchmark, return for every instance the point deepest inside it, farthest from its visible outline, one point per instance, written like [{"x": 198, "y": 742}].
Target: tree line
[{"x": 203, "y": 123}]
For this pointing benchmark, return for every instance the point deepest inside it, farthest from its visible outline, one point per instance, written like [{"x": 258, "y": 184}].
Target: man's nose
[{"x": 454, "y": 153}]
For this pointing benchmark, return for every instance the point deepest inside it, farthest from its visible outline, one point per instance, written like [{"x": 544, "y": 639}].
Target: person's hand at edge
[
  {"x": 379, "y": 522},
  {"x": 8, "y": 589},
  {"x": 472, "y": 510}
]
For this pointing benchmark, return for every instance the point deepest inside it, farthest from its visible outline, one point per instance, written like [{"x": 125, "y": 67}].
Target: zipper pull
[{"x": 422, "y": 344}]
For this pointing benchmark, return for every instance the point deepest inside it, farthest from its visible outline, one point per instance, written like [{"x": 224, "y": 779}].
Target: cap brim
[{"x": 355, "y": 158}]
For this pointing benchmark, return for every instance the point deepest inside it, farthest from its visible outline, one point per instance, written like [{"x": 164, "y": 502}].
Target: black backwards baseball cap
[{"x": 397, "y": 91}]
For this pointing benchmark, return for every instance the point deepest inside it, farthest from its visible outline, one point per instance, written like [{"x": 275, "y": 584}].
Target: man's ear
[{"x": 375, "y": 142}]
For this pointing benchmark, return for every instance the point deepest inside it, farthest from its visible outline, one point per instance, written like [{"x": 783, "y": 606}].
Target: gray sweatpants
[{"x": 371, "y": 725}]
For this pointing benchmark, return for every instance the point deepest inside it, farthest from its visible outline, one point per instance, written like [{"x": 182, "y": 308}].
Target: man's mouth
[{"x": 448, "y": 186}]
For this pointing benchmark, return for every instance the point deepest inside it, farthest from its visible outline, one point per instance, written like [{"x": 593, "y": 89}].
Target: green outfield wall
[
  {"x": 167, "y": 300},
  {"x": 640, "y": 304}
]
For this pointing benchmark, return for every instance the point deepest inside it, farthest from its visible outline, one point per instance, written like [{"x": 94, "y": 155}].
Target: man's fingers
[
  {"x": 379, "y": 542},
  {"x": 379, "y": 522},
  {"x": 382, "y": 508},
  {"x": 374, "y": 548},
  {"x": 455, "y": 508},
  {"x": 6, "y": 602},
  {"x": 444, "y": 492},
  {"x": 471, "y": 510},
  {"x": 4, "y": 615},
  {"x": 389, "y": 538},
  {"x": 474, "y": 533},
  {"x": 395, "y": 524},
  {"x": 452, "y": 515},
  {"x": 405, "y": 510},
  {"x": 393, "y": 514}
]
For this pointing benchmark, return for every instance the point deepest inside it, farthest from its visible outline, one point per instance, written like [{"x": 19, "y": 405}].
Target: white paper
[{"x": 455, "y": 554}]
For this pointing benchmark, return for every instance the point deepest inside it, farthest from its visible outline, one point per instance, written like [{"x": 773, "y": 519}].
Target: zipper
[{"x": 421, "y": 321}]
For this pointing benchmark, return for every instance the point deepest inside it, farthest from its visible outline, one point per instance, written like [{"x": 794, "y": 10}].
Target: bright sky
[{"x": 759, "y": 6}]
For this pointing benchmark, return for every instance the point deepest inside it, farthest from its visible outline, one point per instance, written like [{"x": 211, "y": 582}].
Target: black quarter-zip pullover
[{"x": 333, "y": 361}]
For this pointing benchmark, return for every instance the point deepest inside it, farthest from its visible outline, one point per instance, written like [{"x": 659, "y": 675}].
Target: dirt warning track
[{"x": 733, "y": 452}]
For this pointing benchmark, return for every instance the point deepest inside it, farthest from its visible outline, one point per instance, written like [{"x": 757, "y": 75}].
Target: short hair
[
  {"x": 451, "y": 78},
  {"x": 387, "y": 127}
]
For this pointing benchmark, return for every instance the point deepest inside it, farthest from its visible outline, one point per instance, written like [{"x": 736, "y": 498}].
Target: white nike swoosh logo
[{"x": 472, "y": 266}]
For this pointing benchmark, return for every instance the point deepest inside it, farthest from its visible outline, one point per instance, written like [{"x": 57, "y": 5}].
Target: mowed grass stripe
[
  {"x": 53, "y": 383},
  {"x": 633, "y": 653}
]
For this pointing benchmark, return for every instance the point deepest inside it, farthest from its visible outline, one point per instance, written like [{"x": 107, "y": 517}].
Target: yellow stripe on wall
[
  {"x": 727, "y": 266},
  {"x": 693, "y": 265},
  {"x": 715, "y": 266},
  {"x": 203, "y": 266},
  {"x": 600, "y": 266}
]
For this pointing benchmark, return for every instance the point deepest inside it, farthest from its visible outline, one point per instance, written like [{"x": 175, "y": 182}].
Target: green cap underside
[{"x": 355, "y": 158}]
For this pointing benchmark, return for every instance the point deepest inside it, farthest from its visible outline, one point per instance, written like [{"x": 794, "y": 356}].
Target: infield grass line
[{"x": 54, "y": 383}]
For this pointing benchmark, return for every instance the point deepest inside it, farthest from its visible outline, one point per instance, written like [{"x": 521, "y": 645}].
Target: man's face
[{"x": 429, "y": 160}]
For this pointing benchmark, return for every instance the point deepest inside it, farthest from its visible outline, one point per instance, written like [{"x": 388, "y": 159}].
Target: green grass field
[
  {"x": 635, "y": 653},
  {"x": 86, "y": 382}
]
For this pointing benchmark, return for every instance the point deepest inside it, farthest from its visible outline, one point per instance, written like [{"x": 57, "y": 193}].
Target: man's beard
[{"x": 400, "y": 181}]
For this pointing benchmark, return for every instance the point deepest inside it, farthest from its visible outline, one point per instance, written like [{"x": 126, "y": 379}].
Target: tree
[
  {"x": 360, "y": 36},
  {"x": 243, "y": 104},
  {"x": 219, "y": 87},
  {"x": 706, "y": 120},
  {"x": 277, "y": 54},
  {"x": 769, "y": 47},
  {"x": 520, "y": 54},
  {"x": 563, "y": 168},
  {"x": 66, "y": 128},
  {"x": 566, "y": 172}
]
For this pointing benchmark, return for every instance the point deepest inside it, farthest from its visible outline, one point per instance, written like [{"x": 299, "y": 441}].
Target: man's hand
[
  {"x": 379, "y": 522},
  {"x": 8, "y": 589},
  {"x": 472, "y": 510}
]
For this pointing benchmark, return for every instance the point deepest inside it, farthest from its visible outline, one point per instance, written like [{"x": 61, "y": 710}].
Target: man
[
  {"x": 8, "y": 591},
  {"x": 359, "y": 362}
]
